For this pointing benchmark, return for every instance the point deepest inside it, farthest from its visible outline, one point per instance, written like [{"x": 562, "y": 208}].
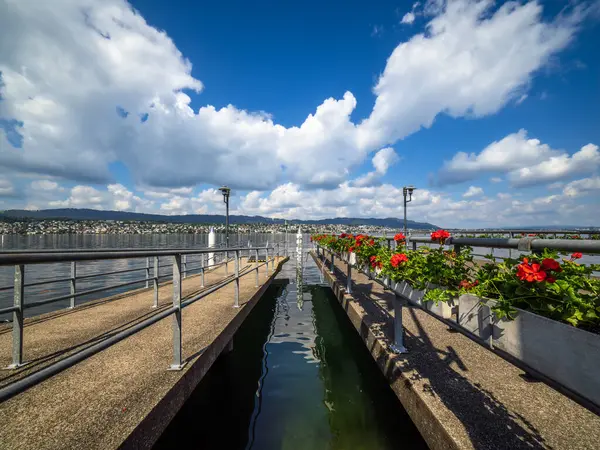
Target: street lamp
[
  {"x": 407, "y": 190},
  {"x": 226, "y": 191}
]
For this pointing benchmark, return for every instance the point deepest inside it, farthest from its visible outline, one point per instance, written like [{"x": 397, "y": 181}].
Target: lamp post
[
  {"x": 407, "y": 190},
  {"x": 226, "y": 191}
]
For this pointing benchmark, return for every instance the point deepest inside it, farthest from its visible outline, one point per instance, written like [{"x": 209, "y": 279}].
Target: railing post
[
  {"x": 184, "y": 261},
  {"x": 348, "y": 276},
  {"x": 256, "y": 264},
  {"x": 236, "y": 298},
  {"x": 202, "y": 257},
  {"x": 414, "y": 245},
  {"x": 17, "y": 330},
  {"x": 155, "y": 282},
  {"x": 72, "y": 283},
  {"x": 267, "y": 262},
  {"x": 332, "y": 268},
  {"x": 176, "y": 324},
  {"x": 226, "y": 262},
  {"x": 147, "y": 273},
  {"x": 457, "y": 248},
  {"x": 398, "y": 345}
]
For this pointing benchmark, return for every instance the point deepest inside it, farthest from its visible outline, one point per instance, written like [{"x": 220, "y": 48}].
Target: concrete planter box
[
  {"x": 561, "y": 352},
  {"x": 415, "y": 296}
]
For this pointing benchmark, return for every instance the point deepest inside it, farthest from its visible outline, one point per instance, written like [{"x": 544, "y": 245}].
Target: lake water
[
  {"x": 299, "y": 377},
  {"x": 38, "y": 272}
]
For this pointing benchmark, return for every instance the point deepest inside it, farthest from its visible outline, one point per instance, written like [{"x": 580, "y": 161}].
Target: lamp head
[{"x": 225, "y": 191}]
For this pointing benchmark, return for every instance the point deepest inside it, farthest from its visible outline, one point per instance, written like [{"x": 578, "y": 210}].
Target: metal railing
[{"x": 180, "y": 269}]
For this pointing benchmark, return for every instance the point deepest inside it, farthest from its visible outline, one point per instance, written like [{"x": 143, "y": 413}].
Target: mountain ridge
[{"x": 96, "y": 214}]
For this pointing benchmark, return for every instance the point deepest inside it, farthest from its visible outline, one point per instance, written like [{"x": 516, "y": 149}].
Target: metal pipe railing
[{"x": 20, "y": 258}]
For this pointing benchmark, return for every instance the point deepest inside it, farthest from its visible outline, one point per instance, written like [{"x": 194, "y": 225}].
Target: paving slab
[
  {"x": 124, "y": 395},
  {"x": 459, "y": 394}
]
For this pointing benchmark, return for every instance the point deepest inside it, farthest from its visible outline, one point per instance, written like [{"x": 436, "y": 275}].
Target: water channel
[{"x": 299, "y": 377}]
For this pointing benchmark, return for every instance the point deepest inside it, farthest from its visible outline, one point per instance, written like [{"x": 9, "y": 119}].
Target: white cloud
[
  {"x": 496, "y": 180},
  {"x": 6, "y": 188},
  {"x": 382, "y": 161},
  {"x": 115, "y": 197},
  {"x": 68, "y": 65},
  {"x": 582, "y": 187},
  {"x": 526, "y": 161},
  {"x": 471, "y": 61},
  {"x": 473, "y": 191},
  {"x": 45, "y": 185},
  {"x": 408, "y": 18},
  {"x": 559, "y": 167}
]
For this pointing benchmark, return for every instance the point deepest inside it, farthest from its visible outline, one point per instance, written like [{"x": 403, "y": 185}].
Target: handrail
[
  {"x": 523, "y": 244},
  {"x": 39, "y": 257},
  {"x": 175, "y": 311}
]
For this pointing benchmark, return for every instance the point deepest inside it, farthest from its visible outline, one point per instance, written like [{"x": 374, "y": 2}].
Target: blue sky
[{"x": 490, "y": 109}]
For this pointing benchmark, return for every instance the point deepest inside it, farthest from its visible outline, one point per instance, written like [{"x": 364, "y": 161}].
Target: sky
[{"x": 306, "y": 110}]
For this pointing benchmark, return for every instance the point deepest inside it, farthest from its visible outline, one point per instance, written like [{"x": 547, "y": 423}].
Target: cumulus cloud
[
  {"x": 473, "y": 191},
  {"x": 563, "y": 166},
  {"x": 88, "y": 83},
  {"x": 382, "y": 161},
  {"x": 472, "y": 60},
  {"x": 582, "y": 187},
  {"x": 526, "y": 162},
  {"x": 115, "y": 197}
]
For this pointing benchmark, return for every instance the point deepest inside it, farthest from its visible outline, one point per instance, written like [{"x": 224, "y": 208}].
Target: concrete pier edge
[
  {"x": 153, "y": 425},
  {"x": 438, "y": 425}
]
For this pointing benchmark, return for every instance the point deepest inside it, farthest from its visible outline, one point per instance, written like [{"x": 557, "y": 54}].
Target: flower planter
[
  {"x": 565, "y": 354},
  {"x": 415, "y": 296},
  {"x": 442, "y": 309}
]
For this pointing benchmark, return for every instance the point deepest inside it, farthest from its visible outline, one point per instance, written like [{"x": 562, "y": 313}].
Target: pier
[
  {"x": 459, "y": 394},
  {"x": 113, "y": 372}
]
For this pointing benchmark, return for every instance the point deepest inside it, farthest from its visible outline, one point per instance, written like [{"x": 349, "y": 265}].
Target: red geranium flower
[
  {"x": 550, "y": 264},
  {"x": 351, "y": 249},
  {"x": 397, "y": 259},
  {"x": 440, "y": 235},
  {"x": 530, "y": 272},
  {"x": 576, "y": 255},
  {"x": 343, "y": 235},
  {"x": 375, "y": 263},
  {"x": 550, "y": 279},
  {"x": 467, "y": 285},
  {"x": 399, "y": 237}
]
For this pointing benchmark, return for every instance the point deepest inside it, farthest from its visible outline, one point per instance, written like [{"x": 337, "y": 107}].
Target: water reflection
[{"x": 299, "y": 377}]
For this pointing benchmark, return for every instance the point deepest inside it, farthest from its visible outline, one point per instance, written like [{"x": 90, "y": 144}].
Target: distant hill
[{"x": 94, "y": 214}]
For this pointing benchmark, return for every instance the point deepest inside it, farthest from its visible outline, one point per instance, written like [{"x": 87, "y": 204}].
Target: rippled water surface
[{"x": 299, "y": 377}]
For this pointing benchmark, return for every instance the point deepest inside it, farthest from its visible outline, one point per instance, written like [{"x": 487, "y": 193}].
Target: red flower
[
  {"x": 576, "y": 255},
  {"x": 530, "y": 235},
  {"x": 550, "y": 280},
  {"x": 351, "y": 249},
  {"x": 371, "y": 242},
  {"x": 375, "y": 263},
  {"x": 399, "y": 237},
  {"x": 467, "y": 285},
  {"x": 440, "y": 235},
  {"x": 397, "y": 259},
  {"x": 343, "y": 235},
  {"x": 550, "y": 264},
  {"x": 530, "y": 272}
]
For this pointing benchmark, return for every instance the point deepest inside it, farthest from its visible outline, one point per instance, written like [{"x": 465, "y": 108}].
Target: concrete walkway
[
  {"x": 459, "y": 394},
  {"x": 124, "y": 394}
]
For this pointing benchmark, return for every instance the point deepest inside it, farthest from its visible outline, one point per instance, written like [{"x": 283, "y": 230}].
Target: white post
[
  {"x": 212, "y": 239},
  {"x": 299, "y": 272}
]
